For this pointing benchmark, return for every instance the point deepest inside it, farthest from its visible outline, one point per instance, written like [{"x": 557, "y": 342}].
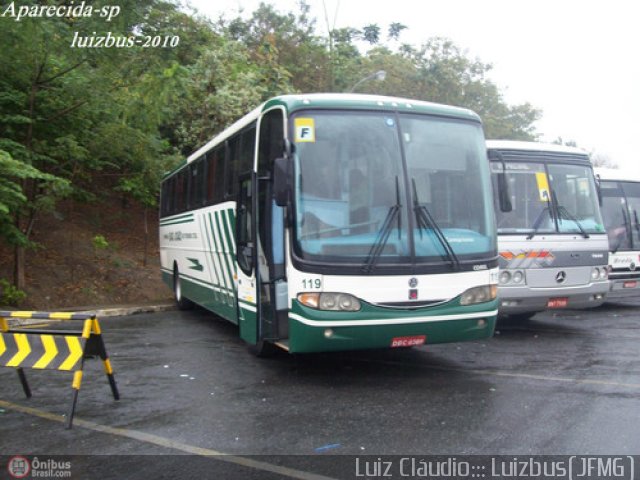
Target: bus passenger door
[{"x": 246, "y": 257}]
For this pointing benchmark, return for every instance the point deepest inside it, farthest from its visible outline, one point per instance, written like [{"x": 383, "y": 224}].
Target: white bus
[
  {"x": 551, "y": 238},
  {"x": 336, "y": 222},
  {"x": 620, "y": 205}
]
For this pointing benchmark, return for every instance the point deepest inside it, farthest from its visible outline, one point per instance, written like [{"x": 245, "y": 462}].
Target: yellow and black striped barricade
[{"x": 63, "y": 350}]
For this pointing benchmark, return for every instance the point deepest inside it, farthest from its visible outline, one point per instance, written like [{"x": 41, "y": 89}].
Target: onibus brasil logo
[{"x": 20, "y": 467}]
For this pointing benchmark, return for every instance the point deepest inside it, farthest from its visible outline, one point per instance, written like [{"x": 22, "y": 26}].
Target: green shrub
[{"x": 10, "y": 295}]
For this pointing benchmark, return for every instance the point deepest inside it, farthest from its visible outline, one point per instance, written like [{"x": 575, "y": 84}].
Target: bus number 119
[{"x": 311, "y": 283}]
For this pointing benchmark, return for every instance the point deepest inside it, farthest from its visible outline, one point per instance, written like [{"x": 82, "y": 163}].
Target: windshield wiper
[
  {"x": 538, "y": 221},
  {"x": 426, "y": 220},
  {"x": 383, "y": 235},
  {"x": 562, "y": 211}
]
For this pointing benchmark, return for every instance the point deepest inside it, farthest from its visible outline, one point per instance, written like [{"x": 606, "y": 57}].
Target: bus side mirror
[
  {"x": 281, "y": 182},
  {"x": 504, "y": 196},
  {"x": 598, "y": 189}
]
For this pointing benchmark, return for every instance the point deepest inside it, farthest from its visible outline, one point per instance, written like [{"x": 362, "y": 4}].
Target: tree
[
  {"x": 371, "y": 33},
  {"x": 395, "y": 29},
  {"x": 64, "y": 109}
]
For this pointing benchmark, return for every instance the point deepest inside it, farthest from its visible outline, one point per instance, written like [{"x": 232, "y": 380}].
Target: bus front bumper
[
  {"x": 375, "y": 327},
  {"x": 522, "y": 299},
  {"x": 624, "y": 288}
]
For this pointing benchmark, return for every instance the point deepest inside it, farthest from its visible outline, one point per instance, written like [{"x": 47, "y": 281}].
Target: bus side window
[
  {"x": 196, "y": 183},
  {"x": 180, "y": 192},
  {"x": 247, "y": 148},
  {"x": 212, "y": 166},
  {"x": 232, "y": 165}
]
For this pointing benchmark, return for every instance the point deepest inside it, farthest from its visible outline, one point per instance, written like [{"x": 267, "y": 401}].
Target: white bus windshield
[
  {"x": 414, "y": 188},
  {"x": 621, "y": 210},
  {"x": 548, "y": 198}
]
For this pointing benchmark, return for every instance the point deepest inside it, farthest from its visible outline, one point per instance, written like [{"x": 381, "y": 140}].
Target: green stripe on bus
[
  {"x": 216, "y": 241},
  {"x": 217, "y": 235},
  {"x": 224, "y": 253},
  {"x": 214, "y": 274},
  {"x": 177, "y": 222},
  {"x": 176, "y": 217},
  {"x": 231, "y": 239},
  {"x": 232, "y": 219}
]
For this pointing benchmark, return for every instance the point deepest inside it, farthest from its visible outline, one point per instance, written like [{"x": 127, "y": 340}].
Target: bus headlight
[
  {"x": 604, "y": 272},
  {"x": 518, "y": 276},
  {"x": 484, "y": 293},
  {"x": 595, "y": 273},
  {"x": 342, "y": 302},
  {"x": 511, "y": 276}
]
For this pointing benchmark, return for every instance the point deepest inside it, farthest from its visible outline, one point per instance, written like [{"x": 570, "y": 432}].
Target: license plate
[
  {"x": 560, "y": 302},
  {"x": 411, "y": 341},
  {"x": 630, "y": 284}
]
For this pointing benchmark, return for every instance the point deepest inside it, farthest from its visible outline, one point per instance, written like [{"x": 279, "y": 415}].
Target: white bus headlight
[
  {"x": 604, "y": 273},
  {"x": 505, "y": 277},
  {"x": 330, "y": 301},
  {"x": 517, "y": 277},
  {"x": 480, "y": 294},
  {"x": 595, "y": 274}
]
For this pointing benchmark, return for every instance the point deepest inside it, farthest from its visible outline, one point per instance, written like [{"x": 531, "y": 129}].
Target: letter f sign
[{"x": 305, "y": 130}]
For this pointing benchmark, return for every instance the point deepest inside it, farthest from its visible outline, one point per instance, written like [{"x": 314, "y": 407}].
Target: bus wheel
[
  {"x": 263, "y": 349},
  {"x": 182, "y": 302}
]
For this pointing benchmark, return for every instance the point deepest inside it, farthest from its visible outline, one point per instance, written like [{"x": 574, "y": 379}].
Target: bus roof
[
  {"x": 617, "y": 174},
  {"x": 359, "y": 101},
  {"x": 533, "y": 147},
  {"x": 351, "y": 101}
]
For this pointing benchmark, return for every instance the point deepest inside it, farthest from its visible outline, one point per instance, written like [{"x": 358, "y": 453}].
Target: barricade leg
[
  {"x": 77, "y": 380},
  {"x": 112, "y": 380},
  {"x": 102, "y": 353},
  {"x": 23, "y": 381}
]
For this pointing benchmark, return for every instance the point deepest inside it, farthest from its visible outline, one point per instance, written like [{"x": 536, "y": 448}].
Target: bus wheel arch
[{"x": 182, "y": 302}]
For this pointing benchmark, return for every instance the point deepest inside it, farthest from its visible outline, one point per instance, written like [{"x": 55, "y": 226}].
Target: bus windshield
[
  {"x": 376, "y": 188},
  {"x": 620, "y": 207},
  {"x": 548, "y": 198}
]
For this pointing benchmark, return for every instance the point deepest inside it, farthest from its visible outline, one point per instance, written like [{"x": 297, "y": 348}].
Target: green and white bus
[{"x": 327, "y": 222}]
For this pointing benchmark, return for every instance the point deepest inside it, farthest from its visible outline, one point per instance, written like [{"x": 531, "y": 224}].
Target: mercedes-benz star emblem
[
  {"x": 561, "y": 277},
  {"x": 413, "y": 283}
]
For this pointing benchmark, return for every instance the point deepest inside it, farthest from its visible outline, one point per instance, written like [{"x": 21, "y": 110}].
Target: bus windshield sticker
[
  {"x": 543, "y": 186},
  {"x": 583, "y": 186},
  {"x": 305, "y": 130}
]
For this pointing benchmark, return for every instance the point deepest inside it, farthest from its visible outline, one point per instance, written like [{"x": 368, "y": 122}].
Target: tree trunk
[
  {"x": 19, "y": 278},
  {"x": 146, "y": 237}
]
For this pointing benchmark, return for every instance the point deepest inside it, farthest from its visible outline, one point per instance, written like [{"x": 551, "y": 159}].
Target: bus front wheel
[
  {"x": 182, "y": 302},
  {"x": 264, "y": 349}
]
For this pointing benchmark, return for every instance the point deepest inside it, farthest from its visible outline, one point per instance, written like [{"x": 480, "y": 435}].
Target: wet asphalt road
[{"x": 563, "y": 383}]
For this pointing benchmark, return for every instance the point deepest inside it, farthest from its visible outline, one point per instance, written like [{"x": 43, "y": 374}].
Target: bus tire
[
  {"x": 182, "y": 302},
  {"x": 263, "y": 349}
]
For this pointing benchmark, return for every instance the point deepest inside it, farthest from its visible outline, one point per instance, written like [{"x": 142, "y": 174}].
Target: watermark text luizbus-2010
[{"x": 109, "y": 40}]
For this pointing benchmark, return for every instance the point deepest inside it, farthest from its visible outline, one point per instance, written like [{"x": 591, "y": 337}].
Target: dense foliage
[{"x": 72, "y": 118}]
